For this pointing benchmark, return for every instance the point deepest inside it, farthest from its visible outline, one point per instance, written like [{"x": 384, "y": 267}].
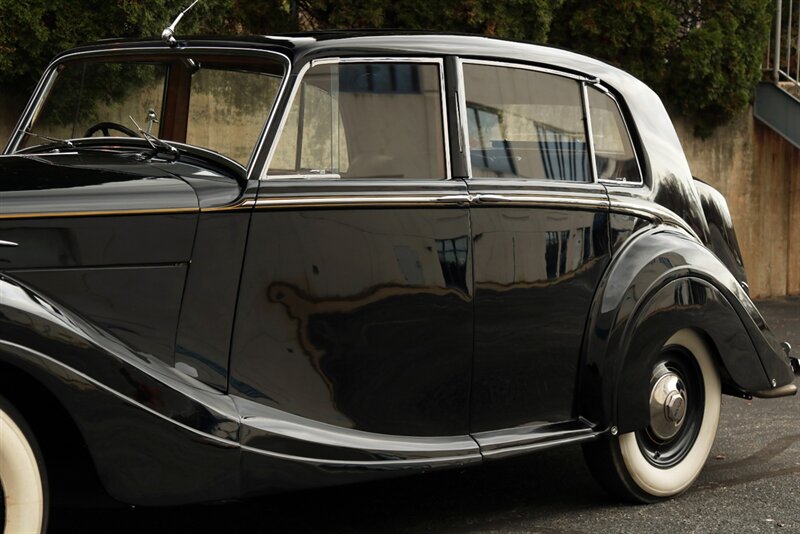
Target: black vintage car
[{"x": 237, "y": 266}]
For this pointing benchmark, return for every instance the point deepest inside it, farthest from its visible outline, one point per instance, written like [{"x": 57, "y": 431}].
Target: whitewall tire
[
  {"x": 22, "y": 477},
  {"x": 663, "y": 459}
]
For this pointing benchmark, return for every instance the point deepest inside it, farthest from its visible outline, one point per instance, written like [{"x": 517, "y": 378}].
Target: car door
[
  {"x": 540, "y": 240},
  {"x": 355, "y": 304}
]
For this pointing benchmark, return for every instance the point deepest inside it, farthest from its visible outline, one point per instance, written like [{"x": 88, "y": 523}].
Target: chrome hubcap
[{"x": 667, "y": 405}]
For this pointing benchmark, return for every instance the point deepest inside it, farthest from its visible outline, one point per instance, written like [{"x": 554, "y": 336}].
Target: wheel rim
[{"x": 677, "y": 400}]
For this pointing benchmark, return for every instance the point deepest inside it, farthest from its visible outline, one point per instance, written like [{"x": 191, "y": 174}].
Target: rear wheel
[
  {"x": 23, "y": 484},
  {"x": 663, "y": 459}
]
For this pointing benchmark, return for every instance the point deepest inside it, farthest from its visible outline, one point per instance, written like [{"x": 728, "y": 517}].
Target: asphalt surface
[{"x": 750, "y": 484}]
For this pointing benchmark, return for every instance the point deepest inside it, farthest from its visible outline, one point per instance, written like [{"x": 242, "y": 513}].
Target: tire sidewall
[
  {"x": 657, "y": 483},
  {"x": 22, "y": 458}
]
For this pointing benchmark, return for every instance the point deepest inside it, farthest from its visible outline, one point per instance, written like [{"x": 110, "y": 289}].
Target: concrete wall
[
  {"x": 759, "y": 173},
  {"x": 755, "y": 168}
]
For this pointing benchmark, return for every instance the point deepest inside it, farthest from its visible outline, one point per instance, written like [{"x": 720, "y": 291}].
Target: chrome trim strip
[
  {"x": 462, "y": 110},
  {"x": 526, "y": 66},
  {"x": 652, "y": 212},
  {"x": 358, "y": 200},
  {"x": 587, "y": 114},
  {"x": 49, "y": 76},
  {"x": 519, "y": 440},
  {"x": 568, "y": 201},
  {"x": 375, "y": 59},
  {"x": 284, "y": 117},
  {"x": 91, "y": 213},
  {"x": 448, "y": 169},
  {"x": 496, "y": 454},
  {"x": 604, "y": 90},
  {"x": 4, "y": 243},
  {"x": 309, "y": 176},
  {"x": 345, "y": 60},
  {"x": 415, "y": 462},
  {"x": 263, "y": 423}
]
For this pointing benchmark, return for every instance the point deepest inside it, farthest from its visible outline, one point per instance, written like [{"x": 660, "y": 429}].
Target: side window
[
  {"x": 612, "y": 145},
  {"x": 364, "y": 120},
  {"x": 525, "y": 124},
  {"x": 227, "y": 108}
]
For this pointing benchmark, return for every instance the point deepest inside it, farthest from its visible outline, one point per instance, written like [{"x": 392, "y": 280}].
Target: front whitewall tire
[{"x": 21, "y": 476}]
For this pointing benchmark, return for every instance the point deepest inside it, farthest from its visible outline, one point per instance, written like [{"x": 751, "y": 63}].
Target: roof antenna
[{"x": 168, "y": 35}]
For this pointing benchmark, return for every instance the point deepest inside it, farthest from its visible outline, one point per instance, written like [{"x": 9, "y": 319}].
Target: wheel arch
[
  {"x": 69, "y": 464},
  {"x": 663, "y": 281},
  {"x": 146, "y": 426}
]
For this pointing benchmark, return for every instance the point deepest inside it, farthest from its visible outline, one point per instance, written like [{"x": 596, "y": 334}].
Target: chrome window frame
[
  {"x": 434, "y": 60},
  {"x": 45, "y": 83},
  {"x": 581, "y": 79},
  {"x": 603, "y": 89}
]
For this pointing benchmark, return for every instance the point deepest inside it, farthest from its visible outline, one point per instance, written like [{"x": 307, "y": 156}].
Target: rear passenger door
[
  {"x": 540, "y": 239},
  {"x": 355, "y": 304}
]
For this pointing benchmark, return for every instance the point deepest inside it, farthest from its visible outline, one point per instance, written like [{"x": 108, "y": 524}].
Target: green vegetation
[{"x": 702, "y": 57}]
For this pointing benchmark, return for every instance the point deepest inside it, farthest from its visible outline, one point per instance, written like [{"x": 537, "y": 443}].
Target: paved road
[{"x": 750, "y": 484}]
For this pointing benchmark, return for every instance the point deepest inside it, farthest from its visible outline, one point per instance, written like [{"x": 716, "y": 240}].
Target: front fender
[
  {"x": 663, "y": 280},
  {"x": 156, "y": 436}
]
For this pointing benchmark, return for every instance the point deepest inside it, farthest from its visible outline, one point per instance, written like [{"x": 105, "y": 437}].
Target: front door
[{"x": 355, "y": 304}]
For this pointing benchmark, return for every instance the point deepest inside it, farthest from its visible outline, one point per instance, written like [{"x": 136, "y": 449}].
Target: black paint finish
[
  {"x": 536, "y": 270},
  {"x": 359, "y": 318},
  {"x": 209, "y": 302},
  {"x": 137, "y": 305}
]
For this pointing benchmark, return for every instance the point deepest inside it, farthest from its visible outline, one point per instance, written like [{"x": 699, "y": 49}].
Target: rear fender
[{"x": 662, "y": 281}]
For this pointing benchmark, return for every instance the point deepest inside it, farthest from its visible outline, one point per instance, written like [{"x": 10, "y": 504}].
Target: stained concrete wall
[
  {"x": 755, "y": 168},
  {"x": 758, "y": 171}
]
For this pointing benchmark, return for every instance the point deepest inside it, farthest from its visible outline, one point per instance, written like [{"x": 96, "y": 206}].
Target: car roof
[{"x": 305, "y": 45}]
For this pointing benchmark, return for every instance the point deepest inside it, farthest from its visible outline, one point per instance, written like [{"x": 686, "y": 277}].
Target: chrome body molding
[
  {"x": 498, "y": 444},
  {"x": 558, "y": 201},
  {"x": 359, "y": 200},
  {"x": 652, "y": 212},
  {"x": 97, "y": 213},
  {"x": 270, "y": 432},
  {"x": 417, "y": 463}
]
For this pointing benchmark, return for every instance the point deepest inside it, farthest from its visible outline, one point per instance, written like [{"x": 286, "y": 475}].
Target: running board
[{"x": 508, "y": 442}]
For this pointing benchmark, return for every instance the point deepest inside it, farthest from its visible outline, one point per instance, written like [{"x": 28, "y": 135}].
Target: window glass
[
  {"x": 612, "y": 145},
  {"x": 199, "y": 101},
  {"x": 525, "y": 124},
  {"x": 364, "y": 120},
  {"x": 227, "y": 109},
  {"x": 87, "y": 95}
]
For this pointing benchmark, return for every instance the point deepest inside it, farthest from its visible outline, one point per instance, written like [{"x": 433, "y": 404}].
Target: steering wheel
[{"x": 106, "y": 126}]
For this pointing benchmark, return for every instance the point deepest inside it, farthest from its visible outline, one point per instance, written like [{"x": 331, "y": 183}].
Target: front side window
[
  {"x": 612, "y": 145},
  {"x": 212, "y": 102},
  {"x": 525, "y": 124},
  {"x": 364, "y": 120}
]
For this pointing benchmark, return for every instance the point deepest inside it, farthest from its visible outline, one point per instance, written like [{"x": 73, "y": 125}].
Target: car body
[{"x": 348, "y": 256}]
